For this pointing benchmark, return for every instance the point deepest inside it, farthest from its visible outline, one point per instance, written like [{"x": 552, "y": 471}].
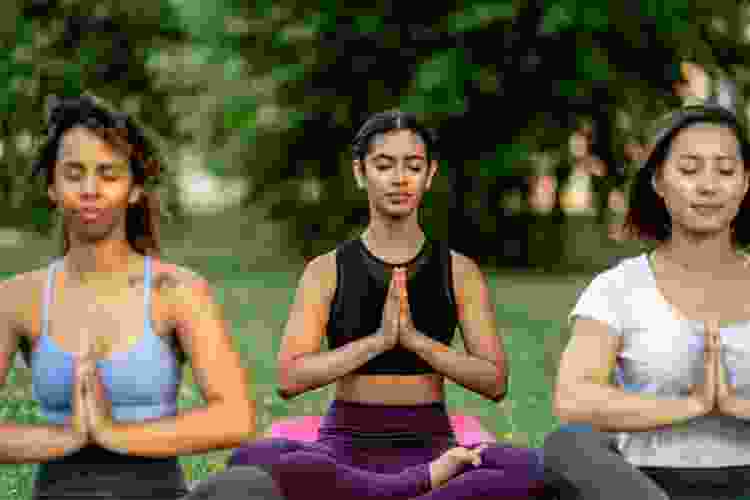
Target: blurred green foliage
[{"x": 272, "y": 91}]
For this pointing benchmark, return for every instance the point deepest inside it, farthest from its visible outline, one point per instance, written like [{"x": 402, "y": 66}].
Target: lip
[
  {"x": 89, "y": 214},
  {"x": 707, "y": 207}
]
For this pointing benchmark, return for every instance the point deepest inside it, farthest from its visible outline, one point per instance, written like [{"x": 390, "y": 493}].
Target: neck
[
  {"x": 701, "y": 254},
  {"x": 97, "y": 262},
  {"x": 394, "y": 235}
]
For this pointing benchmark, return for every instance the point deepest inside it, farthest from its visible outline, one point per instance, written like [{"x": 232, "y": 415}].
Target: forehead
[
  {"x": 706, "y": 137},
  {"x": 397, "y": 143},
  {"x": 82, "y": 143}
]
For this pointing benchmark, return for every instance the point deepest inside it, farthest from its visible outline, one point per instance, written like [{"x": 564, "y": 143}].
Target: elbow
[
  {"x": 564, "y": 409},
  {"x": 243, "y": 418},
  {"x": 287, "y": 392},
  {"x": 498, "y": 395},
  {"x": 500, "y": 389}
]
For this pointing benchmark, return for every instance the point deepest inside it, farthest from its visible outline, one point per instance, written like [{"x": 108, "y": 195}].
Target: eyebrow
[
  {"x": 717, "y": 157},
  {"x": 392, "y": 158},
  {"x": 101, "y": 166}
]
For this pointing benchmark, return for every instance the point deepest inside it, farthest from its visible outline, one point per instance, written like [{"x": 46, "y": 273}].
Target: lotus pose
[
  {"x": 388, "y": 302},
  {"x": 104, "y": 327}
]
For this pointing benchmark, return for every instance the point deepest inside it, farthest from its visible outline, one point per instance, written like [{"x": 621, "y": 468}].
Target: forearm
[
  {"x": 198, "y": 430},
  {"x": 611, "y": 409},
  {"x": 476, "y": 374},
  {"x": 311, "y": 371},
  {"x": 26, "y": 443},
  {"x": 735, "y": 407}
]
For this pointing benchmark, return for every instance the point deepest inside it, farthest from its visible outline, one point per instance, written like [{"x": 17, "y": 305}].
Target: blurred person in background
[
  {"x": 388, "y": 302},
  {"x": 104, "y": 327},
  {"x": 672, "y": 325}
]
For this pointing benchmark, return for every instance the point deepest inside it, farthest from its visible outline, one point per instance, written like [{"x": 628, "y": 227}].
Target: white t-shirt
[{"x": 662, "y": 355}]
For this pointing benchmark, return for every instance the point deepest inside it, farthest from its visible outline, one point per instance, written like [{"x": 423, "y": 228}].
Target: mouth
[
  {"x": 399, "y": 197},
  {"x": 90, "y": 214},
  {"x": 707, "y": 209}
]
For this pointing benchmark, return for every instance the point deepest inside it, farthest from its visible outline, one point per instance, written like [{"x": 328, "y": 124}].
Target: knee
[
  {"x": 241, "y": 482},
  {"x": 523, "y": 460},
  {"x": 559, "y": 444}
]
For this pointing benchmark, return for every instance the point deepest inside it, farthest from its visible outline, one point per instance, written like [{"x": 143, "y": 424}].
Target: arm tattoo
[
  {"x": 163, "y": 281},
  {"x": 134, "y": 281}
]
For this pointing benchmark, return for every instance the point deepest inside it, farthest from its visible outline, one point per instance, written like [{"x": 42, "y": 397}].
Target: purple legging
[{"x": 374, "y": 451}]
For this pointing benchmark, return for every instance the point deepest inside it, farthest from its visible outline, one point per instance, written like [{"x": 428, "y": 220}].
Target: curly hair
[{"x": 122, "y": 133}]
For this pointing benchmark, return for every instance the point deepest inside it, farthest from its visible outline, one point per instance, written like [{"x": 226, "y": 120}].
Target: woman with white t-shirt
[{"x": 672, "y": 326}]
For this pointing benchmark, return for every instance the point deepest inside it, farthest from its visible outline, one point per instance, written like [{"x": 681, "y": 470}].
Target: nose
[
  {"x": 708, "y": 183},
  {"x": 89, "y": 186},
  {"x": 399, "y": 174}
]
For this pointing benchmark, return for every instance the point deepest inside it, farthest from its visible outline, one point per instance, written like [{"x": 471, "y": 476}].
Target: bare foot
[{"x": 452, "y": 461}]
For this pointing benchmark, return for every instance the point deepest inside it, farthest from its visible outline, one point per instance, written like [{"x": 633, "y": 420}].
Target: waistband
[
  {"x": 386, "y": 422},
  {"x": 94, "y": 471}
]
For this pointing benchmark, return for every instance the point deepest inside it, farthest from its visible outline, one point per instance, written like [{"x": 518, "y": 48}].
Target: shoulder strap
[
  {"x": 147, "y": 291},
  {"x": 24, "y": 343},
  {"x": 446, "y": 263},
  {"x": 48, "y": 295},
  {"x": 342, "y": 253}
]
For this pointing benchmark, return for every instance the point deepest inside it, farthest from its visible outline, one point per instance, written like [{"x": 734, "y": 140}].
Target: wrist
[
  {"x": 378, "y": 344},
  {"x": 696, "y": 407},
  {"x": 74, "y": 439},
  {"x": 411, "y": 340},
  {"x": 726, "y": 404}
]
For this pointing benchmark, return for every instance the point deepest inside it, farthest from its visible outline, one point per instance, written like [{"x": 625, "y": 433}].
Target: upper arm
[
  {"x": 590, "y": 356},
  {"x": 305, "y": 329},
  {"x": 204, "y": 334},
  {"x": 476, "y": 312}
]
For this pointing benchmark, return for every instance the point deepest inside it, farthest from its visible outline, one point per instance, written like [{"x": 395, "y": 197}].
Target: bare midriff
[{"x": 391, "y": 389}]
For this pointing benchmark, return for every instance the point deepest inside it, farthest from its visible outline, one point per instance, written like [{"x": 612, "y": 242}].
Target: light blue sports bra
[{"x": 141, "y": 383}]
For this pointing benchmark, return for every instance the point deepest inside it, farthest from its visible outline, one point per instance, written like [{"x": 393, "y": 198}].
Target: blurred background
[{"x": 541, "y": 108}]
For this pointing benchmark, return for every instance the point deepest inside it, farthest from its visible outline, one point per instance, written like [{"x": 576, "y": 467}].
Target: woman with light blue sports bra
[
  {"x": 105, "y": 325},
  {"x": 673, "y": 328}
]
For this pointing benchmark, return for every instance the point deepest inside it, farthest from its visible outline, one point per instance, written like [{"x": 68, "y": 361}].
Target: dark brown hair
[
  {"x": 647, "y": 218},
  {"x": 387, "y": 121},
  {"x": 122, "y": 133}
]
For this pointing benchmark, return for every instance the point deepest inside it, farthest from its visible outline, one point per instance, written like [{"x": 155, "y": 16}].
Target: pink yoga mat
[{"x": 468, "y": 429}]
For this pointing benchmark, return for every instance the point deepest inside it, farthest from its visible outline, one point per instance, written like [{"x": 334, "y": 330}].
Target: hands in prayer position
[
  {"x": 397, "y": 326},
  {"x": 92, "y": 411},
  {"x": 714, "y": 395}
]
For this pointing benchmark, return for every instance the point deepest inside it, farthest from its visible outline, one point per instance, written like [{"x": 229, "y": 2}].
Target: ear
[
  {"x": 358, "y": 168},
  {"x": 135, "y": 195},
  {"x": 655, "y": 185},
  {"x": 432, "y": 171},
  {"x": 52, "y": 194}
]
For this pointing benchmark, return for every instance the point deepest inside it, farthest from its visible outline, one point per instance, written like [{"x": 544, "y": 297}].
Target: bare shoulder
[
  {"x": 320, "y": 274},
  {"x": 21, "y": 296},
  {"x": 172, "y": 280},
  {"x": 463, "y": 267}
]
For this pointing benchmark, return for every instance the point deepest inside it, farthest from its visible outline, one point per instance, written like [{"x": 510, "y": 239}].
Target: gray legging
[
  {"x": 593, "y": 469},
  {"x": 241, "y": 483}
]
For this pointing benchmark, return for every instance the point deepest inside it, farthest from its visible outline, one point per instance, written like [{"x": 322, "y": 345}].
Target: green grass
[{"x": 530, "y": 310}]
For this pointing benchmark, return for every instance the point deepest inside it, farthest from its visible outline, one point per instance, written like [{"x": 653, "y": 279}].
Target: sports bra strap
[
  {"x": 147, "y": 292},
  {"x": 47, "y": 299}
]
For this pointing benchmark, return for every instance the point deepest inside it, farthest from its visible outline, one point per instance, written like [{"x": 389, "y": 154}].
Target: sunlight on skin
[{"x": 475, "y": 280}]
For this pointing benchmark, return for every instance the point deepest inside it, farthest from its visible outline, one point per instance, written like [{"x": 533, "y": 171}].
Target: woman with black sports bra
[
  {"x": 389, "y": 303},
  {"x": 105, "y": 324}
]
